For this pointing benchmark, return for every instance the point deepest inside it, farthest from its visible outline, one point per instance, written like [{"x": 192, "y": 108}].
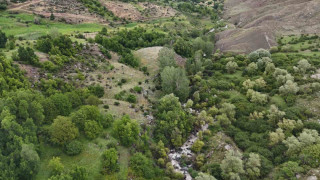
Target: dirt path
[{"x": 20, "y": 6}]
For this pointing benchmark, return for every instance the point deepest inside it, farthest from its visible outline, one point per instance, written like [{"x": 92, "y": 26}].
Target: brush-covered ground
[{"x": 107, "y": 89}]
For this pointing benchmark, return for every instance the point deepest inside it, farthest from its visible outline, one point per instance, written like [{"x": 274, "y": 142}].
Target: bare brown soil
[
  {"x": 70, "y": 11},
  {"x": 256, "y": 24},
  {"x": 138, "y": 12}
]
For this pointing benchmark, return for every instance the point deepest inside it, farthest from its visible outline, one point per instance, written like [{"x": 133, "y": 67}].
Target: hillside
[
  {"x": 159, "y": 89},
  {"x": 257, "y": 24}
]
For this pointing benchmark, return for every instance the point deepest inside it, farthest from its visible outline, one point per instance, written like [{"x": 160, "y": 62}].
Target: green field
[{"x": 22, "y": 25}]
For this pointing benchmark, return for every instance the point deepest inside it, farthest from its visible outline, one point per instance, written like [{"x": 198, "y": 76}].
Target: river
[{"x": 175, "y": 155}]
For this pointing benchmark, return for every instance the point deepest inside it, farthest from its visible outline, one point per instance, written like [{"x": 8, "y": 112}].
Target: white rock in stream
[{"x": 185, "y": 149}]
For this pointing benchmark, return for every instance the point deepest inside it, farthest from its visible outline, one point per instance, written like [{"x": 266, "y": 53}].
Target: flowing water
[{"x": 175, "y": 155}]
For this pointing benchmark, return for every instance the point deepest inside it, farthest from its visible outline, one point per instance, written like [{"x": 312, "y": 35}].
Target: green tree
[
  {"x": 304, "y": 65},
  {"x": 86, "y": 113},
  {"x": 29, "y": 160},
  {"x": 288, "y": 170},
  {"x": 92, "y": 129},
  {"x": 253, "y": 166},
  {"x": 63, "y": 130},
  {"x": 197, "y": 146},
  {"x": 276, "y": 137},
  {"x": 166, "y": 57},
  {"x": 174, "y": 80},
  {"x": 126, "y": 130},
  {"x": 62, "y": 104},
  {"x": 172, "y": 122},
  {"x": 52, "y": 17},
  {"x": 204, "y": 176},
  {"x": 231, "y": 67},
  {"x": 3, "y": 39},
  {"x": 142, "y": 166},
  {"x": 79, "y": 173},
  {"x": 228, "y": 109},
  {"x": 56, "y": 166},
  {"x": 183, "y": 47},
  {"x": 288, "y": 88},
  {"x": 232, "y": 165},
  {"x": 110, "y": 161},
  {"x": 275, "y": 115}
]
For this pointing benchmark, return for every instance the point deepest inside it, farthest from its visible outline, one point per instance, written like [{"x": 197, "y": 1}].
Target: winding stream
[{"x": 185, "y": 149}]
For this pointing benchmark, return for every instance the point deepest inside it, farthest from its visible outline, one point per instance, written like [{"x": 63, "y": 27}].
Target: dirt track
[
  {"x": 256, "y": 23},
  {"x": 70, "y": 11}
]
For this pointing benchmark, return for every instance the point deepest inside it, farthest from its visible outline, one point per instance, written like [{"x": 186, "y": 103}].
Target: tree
[
  {"x": 97, "y": 90},
  {"x": 62, "y": 104},
  {"x": 63, "y": 130},
  {"x": 174, "y": 80},
  {"x": 110, "y": 161},
  {"x": 257, "y": 97},
  {"x": 282, "y": 76},
  {"x": 275, "y": 115},
  {"x": 258, "y": 54},
  {"x": 232, "y": 165},
  {"x": 92, "y": 129},
  {"x": 248, "y": 84},
  {"x": 253, "y": 166},
  {"x": 204, "y": 176},
  {"x": 172, "y": 122},
  {"x": 74, "y": 148},
  {"x": 288, "y": 170},
  {"x": 141, "y": 166},
  {"x": 270, "y": 68},
  {"x": 306, "y": 138},
  {"x": 183, "y": 47},
  {"x": 231, "y": 67},
  {"x": 288, "y": 88},
  {"x": 56, "y": 166},
  {"x": 79, "y": 173},
  {"x": 289, "y": 125},
  {"x": 29, "y": 160},
  {"x": 52, "y": 17},
  {"x": 197, "y": 146},
  {"x": 304, "y": 65},
  {"x": 166, "y": 57},
  {"x": 276, "y": 137},
  {"x": 126, "y": 130},
  {"x": 252, "y": 68},
  {"x": 3, "y": 39},
  {"x": 223, "y": 120},
  {"x": 229, "y": 110}
]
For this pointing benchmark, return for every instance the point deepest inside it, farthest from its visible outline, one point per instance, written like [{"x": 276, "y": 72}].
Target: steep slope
[{"x": 255, "y": 24}]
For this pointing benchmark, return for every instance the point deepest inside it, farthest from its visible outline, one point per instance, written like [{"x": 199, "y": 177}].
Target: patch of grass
[
  {"x": 22, "y": 25},
  {"x": 89, "y": 158}
]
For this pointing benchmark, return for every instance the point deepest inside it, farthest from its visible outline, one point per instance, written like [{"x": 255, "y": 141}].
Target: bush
[
  {"x": 131, "y": 98},
  {"x": 137, "y": 89},
  {"x": 74, "y": 148}
]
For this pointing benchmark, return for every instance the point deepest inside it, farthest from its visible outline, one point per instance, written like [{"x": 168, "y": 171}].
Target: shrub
[{"x": 74, "y": 148}]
